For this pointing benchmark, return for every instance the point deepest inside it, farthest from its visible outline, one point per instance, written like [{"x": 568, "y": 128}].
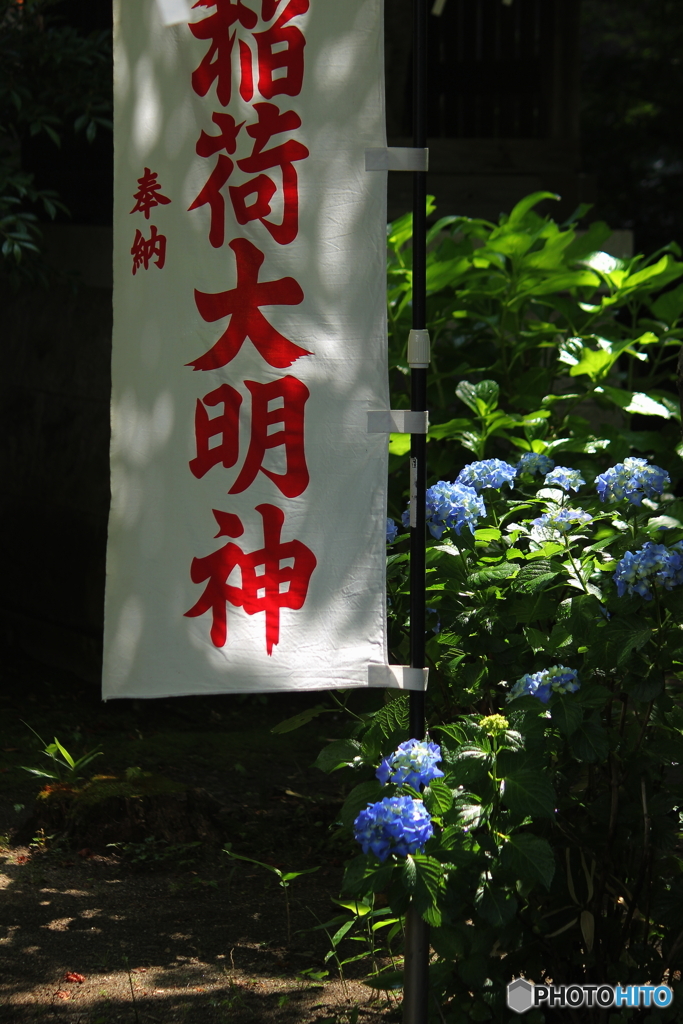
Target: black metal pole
[{"x": 415, "y": 976}]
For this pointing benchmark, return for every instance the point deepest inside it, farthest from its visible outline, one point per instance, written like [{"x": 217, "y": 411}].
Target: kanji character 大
[
  {"x": 276, "y": 403},
  {"x": 276, "y": 586},
  {"x": 242, "y": 304},
  {"x": 144, "y": 249},
  {"x": 148, "y": 194}
]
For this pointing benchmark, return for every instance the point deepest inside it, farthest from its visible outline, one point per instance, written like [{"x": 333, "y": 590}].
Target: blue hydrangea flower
[
  {"x": 561, "y": 520},
  {"x": 654, "y": 566},
  {"x": 397, "y": 824},
  {"x": 633, "y": 479},
  {"x": 489, "y": 473},
  {"x": 532, "y": 462},
  {"x": 414, "y": 763},
  {"x": 392, "y": 531},
  {"x": 558, "y": 679},
  {"x": 450, "y": 506},
  {"x": 567, "y": 479}
]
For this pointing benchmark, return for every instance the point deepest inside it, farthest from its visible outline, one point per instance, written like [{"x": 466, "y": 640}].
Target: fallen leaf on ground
[
  {"x": 62, "y": 995},
  {"x": 73, "y": 976}
]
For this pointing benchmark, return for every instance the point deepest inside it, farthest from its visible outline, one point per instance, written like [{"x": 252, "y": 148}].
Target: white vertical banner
[{"x": 247, "y": 531}]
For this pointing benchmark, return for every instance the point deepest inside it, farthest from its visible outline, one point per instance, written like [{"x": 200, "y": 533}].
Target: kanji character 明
[
  {"x": 224, "y": 426},
  {"x": 278, "y": 48},
  {"x": 145, "y": 249},
  {"x": 289, "y": 417},
  {"x": 270, "y": 122},
  {"x": 276, "y": 586},
  {"x": 242, "y": 304},
  {"x": 148, "y": 194},
  {"x": 276, "y": 403}
]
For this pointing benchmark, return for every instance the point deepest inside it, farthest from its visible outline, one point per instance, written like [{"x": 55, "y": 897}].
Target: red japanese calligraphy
[
  {"x": 269, "y": 122},
  {"x": 277, "y": 403},
  {"x": 288, "y": 58},
  {"x": 279, "y": 49},
  {"x": 216, "y": 65},
  {"x": 276, "y": 586},
  {"x": 224, "y": 426},
  {"x": 208, "y": 145},
  {"x": 243, "y": 305},
  {"x": 144, "y": 249},
  {"x": 148, "y": 194}
]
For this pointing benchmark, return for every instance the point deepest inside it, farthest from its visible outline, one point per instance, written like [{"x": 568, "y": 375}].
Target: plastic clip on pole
[{"x": 415, "y": 975}]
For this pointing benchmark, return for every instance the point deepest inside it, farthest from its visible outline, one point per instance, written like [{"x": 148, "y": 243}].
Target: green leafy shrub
[{"x": 555, "y": 636}]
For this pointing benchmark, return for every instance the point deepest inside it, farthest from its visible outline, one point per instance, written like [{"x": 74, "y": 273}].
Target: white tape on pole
[
  {"x": 398, "y": 421},
  {"x": 397, "y": 158},
  {"x": 400, "y": 676}
]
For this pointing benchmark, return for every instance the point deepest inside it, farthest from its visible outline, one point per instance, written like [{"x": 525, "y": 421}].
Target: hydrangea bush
[{"x": 555, "y": 569}]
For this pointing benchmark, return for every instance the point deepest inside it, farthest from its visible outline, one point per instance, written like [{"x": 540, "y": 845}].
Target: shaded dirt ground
[{"x": 163, "y": 930}]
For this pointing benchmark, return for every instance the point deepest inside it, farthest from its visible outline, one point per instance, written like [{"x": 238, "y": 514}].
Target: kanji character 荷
[
  {"x": 208, "y": 145},
  {"x": 276, "y": 586},
  {"x": 148, "y": 194},
  {"x": 270, "y": 122},
  {"x": 242, "y": 304},
  {"x": 145, "y": 249}
]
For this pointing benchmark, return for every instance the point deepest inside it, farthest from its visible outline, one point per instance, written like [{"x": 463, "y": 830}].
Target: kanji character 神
[
  {"x": 148, "y": 194},
  {"x": 270, "y": 122},
  {"x": 276, "y": 403},
  {"x": 144, "y": 249},
  {"x": 242, "y": 304},
  {"x": 276, "y": 586},
  {"x": 277, "y": 49}
]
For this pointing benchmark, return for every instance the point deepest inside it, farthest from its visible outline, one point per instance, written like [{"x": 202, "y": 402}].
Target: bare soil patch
[{"x": 163, "y": 926}]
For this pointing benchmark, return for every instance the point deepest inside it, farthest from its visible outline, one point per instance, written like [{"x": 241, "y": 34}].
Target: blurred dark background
[{"x": 580, "y": 97}]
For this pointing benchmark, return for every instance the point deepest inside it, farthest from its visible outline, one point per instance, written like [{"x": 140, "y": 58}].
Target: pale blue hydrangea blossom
[
  {"x": 562, "y": 520},
  {"x": 413, "y": 764},
  {"x": 450, "y": 506},
  {"x": 567, "y": 479},
  {"x": 558, "y": 679},
  {"x": 488, "y": 473},
  {"x": 533, "y": 462},
  {"x": 655, "y": 566},
  {"x": 633, "y": 479},
  {"x": 397, "y": 824},
  {"x": 392, "y": 531}
]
